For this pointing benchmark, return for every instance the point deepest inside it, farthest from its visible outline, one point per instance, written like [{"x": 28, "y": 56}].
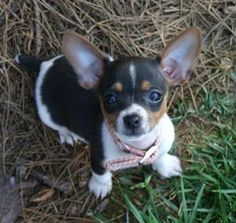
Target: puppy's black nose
[{"x": 132, "y": 121}]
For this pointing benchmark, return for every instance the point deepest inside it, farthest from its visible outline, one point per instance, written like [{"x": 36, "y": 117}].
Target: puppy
[{"x": 116, "y": 106}]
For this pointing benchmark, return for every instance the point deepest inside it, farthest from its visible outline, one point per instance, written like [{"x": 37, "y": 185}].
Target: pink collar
[{"x": 139, "y": 157}]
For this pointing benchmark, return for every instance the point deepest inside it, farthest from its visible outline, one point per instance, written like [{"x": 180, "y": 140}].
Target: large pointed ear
[
  {"x": 86, "y": 60},
  {"x": 178, "y": 56}
]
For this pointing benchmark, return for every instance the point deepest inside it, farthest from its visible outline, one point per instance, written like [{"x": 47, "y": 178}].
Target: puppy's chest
[{"x": 112, "y": 151}]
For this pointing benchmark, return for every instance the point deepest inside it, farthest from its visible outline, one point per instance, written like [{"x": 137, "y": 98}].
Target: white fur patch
[
  {"x": 164, "y": 130},
  {"x": 168, "y": 166},
  {"x": 101, "y": 185},
  {"x": 66, "y": 136},
  {"x": 137, "y": 109},
  {"x": 111, "y": 151},
  {"x": 133, "y": 75}
]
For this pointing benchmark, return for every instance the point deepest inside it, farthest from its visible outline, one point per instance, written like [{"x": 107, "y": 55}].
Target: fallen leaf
[{"x": 43, "y": 195}]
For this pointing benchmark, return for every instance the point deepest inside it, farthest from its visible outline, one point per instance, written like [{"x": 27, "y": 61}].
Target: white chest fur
[
  {"x": 167, "y": 165},
  {"x": 164, "y": 130}
]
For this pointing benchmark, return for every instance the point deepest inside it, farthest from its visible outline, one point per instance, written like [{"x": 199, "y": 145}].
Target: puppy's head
[{"x": 133, "y": 91}]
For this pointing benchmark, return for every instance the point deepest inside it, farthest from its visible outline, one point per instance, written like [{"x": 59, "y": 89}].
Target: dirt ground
[{"x": 121, "y": 28}]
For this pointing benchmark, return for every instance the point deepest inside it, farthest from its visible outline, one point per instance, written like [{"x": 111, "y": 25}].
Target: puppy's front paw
[
  {"x": 101, "y": 185},
  {"x": 168, "y": 166}
]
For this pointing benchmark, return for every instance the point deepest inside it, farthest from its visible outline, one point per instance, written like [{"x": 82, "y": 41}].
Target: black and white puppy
[{"x": 116, "y": 106}]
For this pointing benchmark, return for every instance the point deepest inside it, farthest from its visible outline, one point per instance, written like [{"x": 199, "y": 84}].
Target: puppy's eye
[
  {"x": 155, "y": 96},
  {"x": 110, "y": 98}
]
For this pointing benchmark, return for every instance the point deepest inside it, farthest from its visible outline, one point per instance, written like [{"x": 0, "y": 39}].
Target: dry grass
[{"x": 122, "y": 28}]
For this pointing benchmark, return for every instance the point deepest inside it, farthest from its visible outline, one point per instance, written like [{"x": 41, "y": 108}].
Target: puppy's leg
[
  {"x": 101, "y": 181},
  {"x": 167, "y": 165},
  {"x": 101, "y": 184}
]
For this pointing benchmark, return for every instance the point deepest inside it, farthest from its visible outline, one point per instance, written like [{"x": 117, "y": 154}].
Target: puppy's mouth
[
  {"x": 133, "y": 136},
  {"x": 133, "y": 132}
]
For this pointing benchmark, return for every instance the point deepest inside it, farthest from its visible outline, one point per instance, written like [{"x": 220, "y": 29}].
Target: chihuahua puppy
[{"x": 116, "y": 106}]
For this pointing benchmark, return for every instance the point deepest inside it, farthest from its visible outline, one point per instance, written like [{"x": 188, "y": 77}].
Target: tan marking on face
[
  {"x": 109, "y": 117},
  {"x": 146, "y": 85},
  {"x": 117, "y": 87},
  {"x": 154, "y": 117}
]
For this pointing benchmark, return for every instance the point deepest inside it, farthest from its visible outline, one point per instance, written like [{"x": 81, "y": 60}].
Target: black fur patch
[{"x": 118, "y": 71}]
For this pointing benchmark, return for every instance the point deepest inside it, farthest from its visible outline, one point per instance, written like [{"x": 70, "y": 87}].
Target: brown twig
[
  {"x": 64, "y": 187},
  {"x": 38, "y": 35},
  {"x": 13, "y": 8}
]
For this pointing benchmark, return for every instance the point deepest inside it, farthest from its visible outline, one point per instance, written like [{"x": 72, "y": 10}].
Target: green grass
[{"x": 206, "y": 192}]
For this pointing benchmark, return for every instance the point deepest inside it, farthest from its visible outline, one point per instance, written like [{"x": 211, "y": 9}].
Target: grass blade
[
  {"x": 133, "y": 210},
  {"x": 185, "y": 212},
  {"x": 194, "y": 212}
]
